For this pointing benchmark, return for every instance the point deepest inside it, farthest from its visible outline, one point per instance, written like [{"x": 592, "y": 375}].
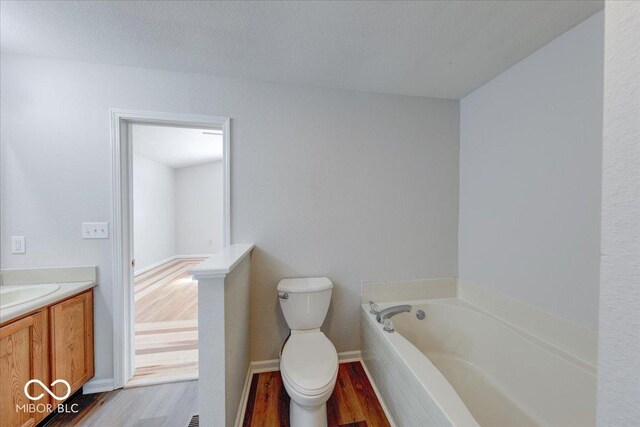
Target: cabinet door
[
  {"x": 23, "y": 357},
  {"x": 72, "y": 341}
]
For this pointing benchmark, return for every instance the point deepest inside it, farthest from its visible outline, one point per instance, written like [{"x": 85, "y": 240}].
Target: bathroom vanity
[{"x": 48, "y": 338}]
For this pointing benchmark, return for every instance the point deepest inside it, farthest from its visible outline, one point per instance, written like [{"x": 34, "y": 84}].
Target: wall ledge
[{"x": 219, "y": 265}]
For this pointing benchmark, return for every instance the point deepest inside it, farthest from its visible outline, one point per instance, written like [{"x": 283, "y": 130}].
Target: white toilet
[{"x": 309, "y": 361}]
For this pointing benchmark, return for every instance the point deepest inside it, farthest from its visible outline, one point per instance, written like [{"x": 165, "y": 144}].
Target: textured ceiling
[{"x": 437, "y": 49}]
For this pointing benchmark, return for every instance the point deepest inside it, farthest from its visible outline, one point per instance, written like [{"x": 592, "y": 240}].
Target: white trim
[
  {"x": 242, "y": 406},
  {"x": 98, "y": 386},
  {"x": 154, "y": 265},
  {"x": 123, "y": 338},
  {"x": 226, "y": 166},
  {"x": 265, "y": 366},
  {"x": 350, "y": 356},
  {"x": 273, "y": 365},
  {"x": 378, "y": 395},
  {"x": 193, "y": 256}
]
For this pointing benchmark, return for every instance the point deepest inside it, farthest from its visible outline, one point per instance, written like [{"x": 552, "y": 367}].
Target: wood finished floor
[
  {"x": 353, "y": 402},
  {"x": 166, "y": 307},
  {"x": 166, "y": 405}
]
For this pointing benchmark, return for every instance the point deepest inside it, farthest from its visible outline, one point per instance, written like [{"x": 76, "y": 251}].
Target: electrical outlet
[
  {"x": 95, "y": 230},
  {"x": 18, "y": 245}
]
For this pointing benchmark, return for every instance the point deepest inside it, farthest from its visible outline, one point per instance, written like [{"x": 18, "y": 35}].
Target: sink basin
[{"x": 14, "y": 295}]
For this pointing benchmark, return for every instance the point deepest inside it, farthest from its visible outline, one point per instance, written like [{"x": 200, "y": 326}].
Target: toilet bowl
[
  {"x": 309, "y": 361},
  {"x": 309, "y": 369}
]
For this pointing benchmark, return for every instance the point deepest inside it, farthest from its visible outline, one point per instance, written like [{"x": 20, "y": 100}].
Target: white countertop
[
  {"x": 66, "y": 289},
  {"x": 220, "y": 264}
]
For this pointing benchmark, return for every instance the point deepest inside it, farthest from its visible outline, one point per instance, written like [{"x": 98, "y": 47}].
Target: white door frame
[{"x": 121, "y": 167}]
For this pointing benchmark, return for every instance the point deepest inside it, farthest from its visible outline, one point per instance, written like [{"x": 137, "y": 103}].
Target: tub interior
[
  {"x": 488, "y": 404},
  {"x": 504, "y": 378}
]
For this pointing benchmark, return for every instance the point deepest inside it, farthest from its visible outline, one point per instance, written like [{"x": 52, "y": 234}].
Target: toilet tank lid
[{"x": 305, "y": 284}]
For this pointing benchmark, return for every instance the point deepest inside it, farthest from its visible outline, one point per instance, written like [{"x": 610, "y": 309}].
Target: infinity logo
[{"x": 47, "y": 389}]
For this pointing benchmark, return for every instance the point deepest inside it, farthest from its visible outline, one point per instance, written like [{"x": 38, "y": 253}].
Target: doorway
[
  {"x": 177, "y": 224},
  {"x": 171, "y": 182}
]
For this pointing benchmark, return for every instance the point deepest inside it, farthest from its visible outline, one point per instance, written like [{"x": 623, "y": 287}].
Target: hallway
[{"x": 166, "y": 307}]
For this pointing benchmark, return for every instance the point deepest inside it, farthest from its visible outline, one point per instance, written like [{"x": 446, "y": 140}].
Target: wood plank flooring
[
  {"x": 166, "y": 405},
  {"x": 353, "y": 402},
  {"x": 166, "y": 309}
]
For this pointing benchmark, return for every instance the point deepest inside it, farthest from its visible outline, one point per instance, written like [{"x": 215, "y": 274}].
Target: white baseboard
[
  {"x": 350, "y": 356},
  {"x": 98, "y": 386},
  {"x": 242, "y": 407},
  {"x": 193, "y": 256},
  {"x": 274, "y": 365},
  {"x": 378, "y": 395},
  {"x": 172, "y": 258},
  {"x": 264, "y": 366},
  {"x": 154, "y": 265}
]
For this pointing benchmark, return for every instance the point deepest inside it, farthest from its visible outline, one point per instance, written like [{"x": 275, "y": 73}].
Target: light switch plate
[
  {"x": 95, "y": 230},
  {"x": 18, "y": 245}
]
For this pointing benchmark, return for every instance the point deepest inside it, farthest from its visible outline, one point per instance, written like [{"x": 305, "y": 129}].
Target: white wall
[
  {"x": 154, "y": 211},
  {"x": 619, "y": 357},
  {"x": 236, "y": 337},
  {"x": 351, "y": 185},
  {"x": 199, "y": 208},
  {"x": 530, "y": 165}
]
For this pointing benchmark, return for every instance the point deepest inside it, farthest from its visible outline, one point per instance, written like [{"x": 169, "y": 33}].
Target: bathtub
[{"x": 461, "y": 366}]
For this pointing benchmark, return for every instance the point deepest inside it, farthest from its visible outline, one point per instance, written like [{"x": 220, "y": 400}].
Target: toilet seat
[{"x": 309, "y": 363}]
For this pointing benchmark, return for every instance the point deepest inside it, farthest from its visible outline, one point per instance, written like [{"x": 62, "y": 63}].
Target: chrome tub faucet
[{"x": 387, "y": 313}]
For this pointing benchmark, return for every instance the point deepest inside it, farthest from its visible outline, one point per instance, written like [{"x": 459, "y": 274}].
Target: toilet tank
[{"x": 305, "y": 301}]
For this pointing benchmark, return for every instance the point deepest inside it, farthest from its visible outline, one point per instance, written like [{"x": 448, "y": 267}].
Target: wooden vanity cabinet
[
  {"x": 71, "y": 331},
  {"x": 24, "y": 355},
  {"x": 51, "y": 343}
]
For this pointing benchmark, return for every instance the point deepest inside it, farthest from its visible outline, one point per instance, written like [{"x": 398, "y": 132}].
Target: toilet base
[{"x": 303, "y": 416}]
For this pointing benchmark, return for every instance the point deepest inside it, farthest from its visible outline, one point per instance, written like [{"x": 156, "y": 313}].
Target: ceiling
[
  {"x": 176, "y": 147},
  {"x": 442, "y": 49}
]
